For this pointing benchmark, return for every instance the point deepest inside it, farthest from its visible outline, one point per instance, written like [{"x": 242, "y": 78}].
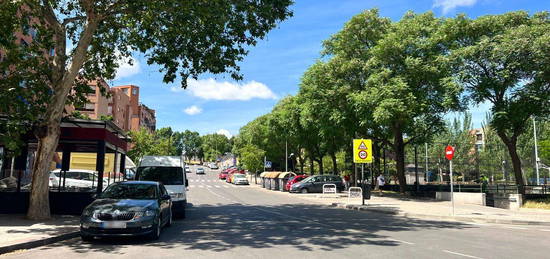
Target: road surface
[{"x": 227, "y": 221}]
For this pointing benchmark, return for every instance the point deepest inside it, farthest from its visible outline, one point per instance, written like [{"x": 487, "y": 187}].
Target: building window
[
  {"x": 125, "y": 91},
  {"x": 110, "y": 109},
  {"x": 134, "y": 91}
]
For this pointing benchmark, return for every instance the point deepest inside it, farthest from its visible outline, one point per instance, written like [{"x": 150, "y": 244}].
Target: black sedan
[{"x": 133, "y": 208}]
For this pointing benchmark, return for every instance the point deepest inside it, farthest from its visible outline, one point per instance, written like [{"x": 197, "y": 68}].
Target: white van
[{"x": 168, "y": 170}]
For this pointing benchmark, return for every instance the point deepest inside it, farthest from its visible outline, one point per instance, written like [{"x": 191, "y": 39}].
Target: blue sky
[{"x": 273, "y": 68}]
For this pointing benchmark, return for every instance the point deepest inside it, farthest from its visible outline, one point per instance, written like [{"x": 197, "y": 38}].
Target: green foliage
[
  {"x": 189, "y": 143},
  {"x": 252, "y": 158},
  {"x": 504, "y": 60},
  {"x": 79, "y": 115},
  {"x": 106, "y": 117},
  {"x": 214, "y": 145},
  {"x": 151, "y": 144}
]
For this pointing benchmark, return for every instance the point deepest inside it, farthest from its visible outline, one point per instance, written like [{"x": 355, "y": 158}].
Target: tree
[
  {"x": 189, "y": 143},
  {"x": 252, "y": 158},
  {"x": 143, "y": 144},
  {"x": 214, "y": 145},
  {"x": 186, "y": 38},
  {"x": 504, "y": 60},
  {"x": 405, "y": 81}
]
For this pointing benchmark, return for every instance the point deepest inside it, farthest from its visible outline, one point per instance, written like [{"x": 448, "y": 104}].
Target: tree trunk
[
  {"x": 301, "y": 160},
  {"x": 399, "y": 148},
  {"x": 49, "y": 130},
  {"x": 311, "y": 166},
  {"x": 320, "y": 162},
  {"x": 511, "y": 144},
  {"x": 334, "y": 164}
]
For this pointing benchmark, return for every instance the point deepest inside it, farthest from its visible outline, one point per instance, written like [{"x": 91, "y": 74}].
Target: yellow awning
[{"x": 264, "y": 174}]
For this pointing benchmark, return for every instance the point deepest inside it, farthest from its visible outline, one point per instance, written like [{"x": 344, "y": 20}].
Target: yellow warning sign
[{"x": 362, "y": 151}]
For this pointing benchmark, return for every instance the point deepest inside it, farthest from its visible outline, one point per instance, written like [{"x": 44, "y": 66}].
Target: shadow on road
[{"x": 304, "y": 227}]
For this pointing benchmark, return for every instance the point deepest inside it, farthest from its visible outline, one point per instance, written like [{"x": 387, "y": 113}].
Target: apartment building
[{"x": 122, "y": 105}]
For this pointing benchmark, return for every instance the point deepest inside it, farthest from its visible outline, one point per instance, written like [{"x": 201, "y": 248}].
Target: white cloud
[
  {"x": 192, "y": 110},
  {"x": 224, "y": 132},
  {"x": 211, "y": 89},
  {"x": 448, "y": 5},
  {"x": 127, "y": 70}
]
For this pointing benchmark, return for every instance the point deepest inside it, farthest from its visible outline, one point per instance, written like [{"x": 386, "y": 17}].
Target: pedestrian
[
  {"x": 380, "y": 181},
  {"x": 346, "y": 181}
]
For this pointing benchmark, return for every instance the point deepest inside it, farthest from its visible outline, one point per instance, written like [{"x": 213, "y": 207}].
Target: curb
[
  {"x": 38, "y": 243},
  {"x": 424, "y": 216}
]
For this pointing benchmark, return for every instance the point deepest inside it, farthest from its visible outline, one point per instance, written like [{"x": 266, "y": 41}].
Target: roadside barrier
[
  {"x": 355, "y": 193},
  {"x": 329, "y": 188}
]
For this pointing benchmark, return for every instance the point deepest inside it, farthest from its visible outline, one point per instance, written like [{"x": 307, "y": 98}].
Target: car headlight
[
  {"x": 150, "y": 213},
  {"x": 87, "y": 213}
]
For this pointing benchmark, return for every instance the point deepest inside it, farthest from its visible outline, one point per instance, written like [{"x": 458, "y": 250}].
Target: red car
[
  {"x": 222, "y": 175},
  {"x": 294, "y": 180}
]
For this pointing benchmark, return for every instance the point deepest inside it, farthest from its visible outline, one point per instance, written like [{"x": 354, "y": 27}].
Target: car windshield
[
  {"x": 130, "y": 191},
  {"x": 164, "y": 175},
  {"x": 239, "y": 176}
]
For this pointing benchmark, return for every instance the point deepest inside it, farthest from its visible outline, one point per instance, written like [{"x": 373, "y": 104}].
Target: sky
[{"x": 272, "y": 69}]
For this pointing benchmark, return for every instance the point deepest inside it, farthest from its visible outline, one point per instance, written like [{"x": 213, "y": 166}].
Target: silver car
[{"x": 240, "y": 179}]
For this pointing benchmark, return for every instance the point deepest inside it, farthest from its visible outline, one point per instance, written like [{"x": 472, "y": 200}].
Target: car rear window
[{"x": 164, "y": 175}]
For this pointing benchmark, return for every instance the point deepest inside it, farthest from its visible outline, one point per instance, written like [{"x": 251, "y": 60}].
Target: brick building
[{"x": 123, "y": 105}]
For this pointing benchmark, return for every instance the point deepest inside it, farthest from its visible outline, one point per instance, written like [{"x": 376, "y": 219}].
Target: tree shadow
[
  {"x": 304, "y": 227},
  {"x": 19, "y": 224}
]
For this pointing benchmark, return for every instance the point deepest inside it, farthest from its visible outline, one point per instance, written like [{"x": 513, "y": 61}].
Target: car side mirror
[
  {"x": 186, "y": 183},
  {"x": 165, "y": 197},
  {"x": 94, "y": 196}
]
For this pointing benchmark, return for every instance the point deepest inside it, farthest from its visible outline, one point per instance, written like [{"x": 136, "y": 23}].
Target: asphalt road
[{"x": 227, "y": 221}]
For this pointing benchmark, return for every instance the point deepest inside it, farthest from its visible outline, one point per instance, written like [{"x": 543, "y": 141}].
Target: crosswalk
[{"x": 214, "y": 186}]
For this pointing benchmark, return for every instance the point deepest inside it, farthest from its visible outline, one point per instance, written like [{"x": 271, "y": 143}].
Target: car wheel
[
  {"x": 156, "y": 231},
  {"x": 87, "y": 238},
  {"x": 304, "y": 190}
]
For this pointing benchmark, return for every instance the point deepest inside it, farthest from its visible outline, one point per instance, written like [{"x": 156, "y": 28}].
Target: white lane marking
[
  {"x": 520, "y": 228},
  {"x": 225, "y": 186},
  {"x": 200, "y": 186},
  {"x": 465, "y": 255},
  {"x": 545, "y": 230},
  {"x": 217, "y": 186},
  {"x": 400, "y": 241}
]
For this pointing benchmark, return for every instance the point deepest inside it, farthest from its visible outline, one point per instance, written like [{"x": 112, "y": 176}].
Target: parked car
[
  {"x": 199, "y": 170},
  {"x": 315, "y": 183},
  {"x": 239, "y": 179},
  {"x": 295, "y": 179},
  {"x": 213, "y": 166},
  {"x": 187, "y": 169},
  {"x": 131, "y": 208},
  {"x": 222, "y": 175},
  {"x": 78, "y": 178}
]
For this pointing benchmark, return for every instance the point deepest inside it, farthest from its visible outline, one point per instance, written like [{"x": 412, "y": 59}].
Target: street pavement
[{"x": 227, "y": 221}]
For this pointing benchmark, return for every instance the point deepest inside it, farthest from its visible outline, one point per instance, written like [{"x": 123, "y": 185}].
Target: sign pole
[
  {"x": 363, "y": 181},
  {"x": 452, "y": 195}
]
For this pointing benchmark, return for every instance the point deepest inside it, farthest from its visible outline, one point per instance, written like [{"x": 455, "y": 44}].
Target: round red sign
[
  {"x": 449, "y": 152},
  {"x": 363, "y": 154}
]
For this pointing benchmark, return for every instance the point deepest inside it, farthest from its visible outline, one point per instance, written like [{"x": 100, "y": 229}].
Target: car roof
[
  {"x": 74, "y": 170},
  {"x": 139, "y": 182},
  {"x": 168, "y": 161}
]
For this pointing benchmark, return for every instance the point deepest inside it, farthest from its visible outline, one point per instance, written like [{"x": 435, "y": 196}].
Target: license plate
[{"x": 113, "y": 224}]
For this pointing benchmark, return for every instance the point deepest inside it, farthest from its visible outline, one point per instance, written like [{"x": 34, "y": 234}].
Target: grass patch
[{"x": 538, "y": 204}]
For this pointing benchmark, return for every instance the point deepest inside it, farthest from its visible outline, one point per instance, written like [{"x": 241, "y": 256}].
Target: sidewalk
[
  {"x": 430, "y": 208},
  {"x": 17, "y": 232}
]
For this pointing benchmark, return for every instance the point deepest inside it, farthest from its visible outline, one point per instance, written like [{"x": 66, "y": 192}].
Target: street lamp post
[{"x": 536, "y": 151}]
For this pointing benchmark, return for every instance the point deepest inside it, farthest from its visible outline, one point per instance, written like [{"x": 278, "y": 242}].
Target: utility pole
[
  {"x": 536, "y": 152},
  {"x": 286, "y": 156},
  {"x": 426, "y": 158}
]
